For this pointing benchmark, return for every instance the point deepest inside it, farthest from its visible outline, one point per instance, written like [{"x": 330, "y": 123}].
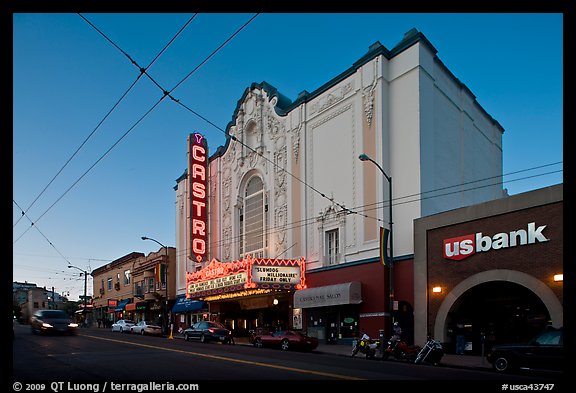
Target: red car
[{"x": 285, "y": 340}]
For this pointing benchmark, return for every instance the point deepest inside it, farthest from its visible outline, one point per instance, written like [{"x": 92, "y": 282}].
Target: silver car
[
  {"x": 122, "y": 325},
  {"x": 146, "y": 327}
]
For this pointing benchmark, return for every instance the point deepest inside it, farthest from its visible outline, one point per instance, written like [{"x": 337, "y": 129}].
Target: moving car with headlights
[
  {"x": 52, "y": 322},
  {"x": 545, "y": 352},
  {"x": 285, "y": 340},
  {"x": 146, "y": 327},
  {"x": 122, "y": 325},
  {"x": 208, "y": 331}
]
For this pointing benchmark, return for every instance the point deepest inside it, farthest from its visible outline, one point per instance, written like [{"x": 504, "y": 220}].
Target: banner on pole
[{"x": 384, "y": 257}]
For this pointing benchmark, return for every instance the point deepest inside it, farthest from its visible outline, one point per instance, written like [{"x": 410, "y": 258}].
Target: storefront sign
[
  {"x": 197, "y": 172},
  {"x": 275, "y": 274},
  {"x": 330, "y": 295},
  {"x": 458, "y": 248}
]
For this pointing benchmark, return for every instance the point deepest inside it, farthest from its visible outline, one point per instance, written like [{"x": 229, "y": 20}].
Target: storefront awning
[
  {"x": 186, "y": 305},
  {"x": 122, "y": 304},
  {"x": 329, "y": 295}
]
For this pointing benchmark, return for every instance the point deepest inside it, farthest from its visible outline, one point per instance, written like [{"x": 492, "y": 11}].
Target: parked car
[
  {"x": 52, "y": 322},
  {"x": 122, "y": 325},
  {"x": 545, "y": 352},
  {"x": 285, "y": 340},
  {"x": 146, "y": 327},
  {"x": 208, "y": 331}
]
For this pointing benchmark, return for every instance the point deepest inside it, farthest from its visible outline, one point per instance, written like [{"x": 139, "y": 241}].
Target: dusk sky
[{"x": 96, "y": 171}]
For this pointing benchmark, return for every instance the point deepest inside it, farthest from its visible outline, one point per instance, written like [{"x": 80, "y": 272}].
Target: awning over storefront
[
  {"x": 122, "y": 304},
  {"x": 131, "y": 307},
  {"x": 329, "y": 295},
  {"x": 186, "y": 305}
]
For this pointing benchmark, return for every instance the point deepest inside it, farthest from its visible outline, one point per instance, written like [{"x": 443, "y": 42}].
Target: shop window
[
  {"x": 110, "y": 283},
  {"x": 127, "y": 277}
]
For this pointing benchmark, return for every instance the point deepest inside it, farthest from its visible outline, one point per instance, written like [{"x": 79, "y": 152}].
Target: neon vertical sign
[{"x": 198, "y": 181}]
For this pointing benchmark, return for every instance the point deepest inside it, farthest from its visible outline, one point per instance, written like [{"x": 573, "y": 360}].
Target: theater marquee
[{"x": 247, "y": 274}]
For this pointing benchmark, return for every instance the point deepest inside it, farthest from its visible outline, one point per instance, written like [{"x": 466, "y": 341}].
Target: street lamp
[
  {"x": 364, "y": 157},
  {"x": 85, "y": 284},
  {"x": 167, "y": 325}
]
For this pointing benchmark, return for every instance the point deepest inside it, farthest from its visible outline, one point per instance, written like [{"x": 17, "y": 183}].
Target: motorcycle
[
  {"x": 431, "y": 352},
  {"x": 367, "y": 346},
  {"x": 398, "y": 349}
]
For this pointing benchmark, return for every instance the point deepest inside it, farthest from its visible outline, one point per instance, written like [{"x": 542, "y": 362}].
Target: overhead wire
[
  {"x": 178, "y": 101},
  {"x": 169, "y": 93},
  {"x": 142, "y": 71}
]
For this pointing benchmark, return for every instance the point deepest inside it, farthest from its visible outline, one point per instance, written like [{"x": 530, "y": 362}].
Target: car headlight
[
  {"x": 72, "y": 324},
  {"x": 46, "y": 325}
]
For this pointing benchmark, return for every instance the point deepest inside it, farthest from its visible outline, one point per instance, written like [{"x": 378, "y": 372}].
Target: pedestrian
[
  {"x": 99, "y": 322},
  {"x": 231, "y": 339},
  {"x": 397, "y": 332}
]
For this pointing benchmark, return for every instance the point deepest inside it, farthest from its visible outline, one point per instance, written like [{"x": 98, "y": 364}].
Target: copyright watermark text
[{"x": 101, "y": 387}]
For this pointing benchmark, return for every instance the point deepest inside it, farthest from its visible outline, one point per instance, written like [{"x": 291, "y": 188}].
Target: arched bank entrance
[
  {"x": 501, "y": 305},
  {"x": 494, "y": 312}
]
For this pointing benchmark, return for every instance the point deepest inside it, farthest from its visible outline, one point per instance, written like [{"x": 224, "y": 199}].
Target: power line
[
  {"x": 376, "y": 206},
  {"x": 142, "y": 71}
]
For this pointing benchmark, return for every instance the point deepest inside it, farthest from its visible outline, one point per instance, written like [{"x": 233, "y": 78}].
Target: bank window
[
  {"x": 332, "y": 246},
  {"x": 253, "y": 217},
  {"x": 127, "y": 277}
]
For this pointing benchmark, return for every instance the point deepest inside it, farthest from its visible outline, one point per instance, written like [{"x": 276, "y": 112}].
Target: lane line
[{"x": 217, "y": 357}]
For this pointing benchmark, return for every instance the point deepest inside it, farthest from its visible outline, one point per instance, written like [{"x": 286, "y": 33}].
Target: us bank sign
[{"x": 458, "y": 248}]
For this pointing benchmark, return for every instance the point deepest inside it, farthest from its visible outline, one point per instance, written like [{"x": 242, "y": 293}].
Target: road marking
[{"x": 298, "y": 370}]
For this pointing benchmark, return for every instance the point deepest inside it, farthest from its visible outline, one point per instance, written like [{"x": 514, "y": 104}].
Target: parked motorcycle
[
  {"x": 398, "y": 349},
  {"x": 367, "y": 346},
  {"x": 431, "y": 352}
]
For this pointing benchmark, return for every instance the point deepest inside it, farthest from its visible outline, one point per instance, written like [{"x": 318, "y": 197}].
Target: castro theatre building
[
  {"x": 280, "y": 226},
  {"x": 490, "y": 273}
]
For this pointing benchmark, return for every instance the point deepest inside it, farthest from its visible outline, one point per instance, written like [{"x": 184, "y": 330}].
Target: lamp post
[
  {"x": 85, "y": 285},
  {"x": 166, "y": 301},
  {"x": 364, "y": 157}
]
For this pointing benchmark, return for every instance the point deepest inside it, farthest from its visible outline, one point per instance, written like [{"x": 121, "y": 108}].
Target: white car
[
  {"x": 122, "y": 326},
  {"x": 146, "y": 327}
]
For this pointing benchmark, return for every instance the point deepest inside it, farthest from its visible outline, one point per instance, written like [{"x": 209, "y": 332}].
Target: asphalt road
[{"x": 102, "y": 356}]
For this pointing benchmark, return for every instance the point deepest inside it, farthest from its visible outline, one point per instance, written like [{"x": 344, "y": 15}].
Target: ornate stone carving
[
  {"x": 332, "y": 98},
  {"x": 332, "y": 115},
  {"x": 368, "y": 101}
]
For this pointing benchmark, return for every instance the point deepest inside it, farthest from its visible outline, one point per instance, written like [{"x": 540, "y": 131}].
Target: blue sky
[{"x": 119, "y": 186}]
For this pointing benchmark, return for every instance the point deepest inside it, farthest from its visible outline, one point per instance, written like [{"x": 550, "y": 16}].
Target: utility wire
[
  {"x": 142, "y": 70},
  {"x": 164, "y": 95},
  {"x": 304, "y": 222},
  {"x": 40, "y": 232},
  {"x": 168, "y": 93}
]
